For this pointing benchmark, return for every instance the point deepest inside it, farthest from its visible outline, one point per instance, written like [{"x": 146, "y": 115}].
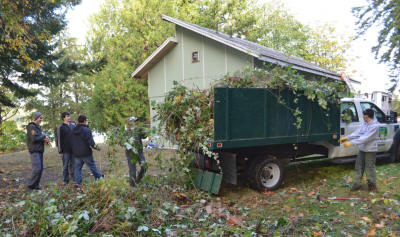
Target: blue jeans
[
  {"x": 78, "y": 164},
  {"x": 37, "y": 170},
  {"x": 132, "y": 161},
  {"x": 67, "y": 166}
]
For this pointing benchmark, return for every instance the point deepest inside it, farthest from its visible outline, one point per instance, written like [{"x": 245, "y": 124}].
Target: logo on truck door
[
  {"x": 382, "y": 132},
  {"x": 382, "y": 136}
]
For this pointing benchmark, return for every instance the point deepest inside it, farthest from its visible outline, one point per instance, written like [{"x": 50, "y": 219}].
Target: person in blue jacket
[
  {"x": 82, "y": 145},
  {"x": 64, "y": 145},
  {"x": 366, "y": 138}
]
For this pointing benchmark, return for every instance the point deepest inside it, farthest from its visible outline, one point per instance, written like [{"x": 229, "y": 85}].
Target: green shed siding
[
  {"x": 156, "y": 80},
  {"x": 215, "y": 60},
  {"x": 193, "y": 71},
  {"x": 173, "y": 67},
  {"x": 238, "y": 60}
]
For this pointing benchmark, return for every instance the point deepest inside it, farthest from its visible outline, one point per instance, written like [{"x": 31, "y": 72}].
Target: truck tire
[
  {"x": 267, "y": 174},
  {"x": 395, "y": 156}
]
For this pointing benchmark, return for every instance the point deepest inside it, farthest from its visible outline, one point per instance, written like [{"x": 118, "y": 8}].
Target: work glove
[
  {"x": 347, "y": 144},
  {"x": 342, "y": 139}
]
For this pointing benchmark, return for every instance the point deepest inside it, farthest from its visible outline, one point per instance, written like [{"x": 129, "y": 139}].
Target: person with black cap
[
  {"x": 366, "y": 138},
  {"x": 134, "y": 150},
  {"x": 35, "y": 141},
  {"x": 64, "y": 144},
  {"x": 82, "y": 145}
]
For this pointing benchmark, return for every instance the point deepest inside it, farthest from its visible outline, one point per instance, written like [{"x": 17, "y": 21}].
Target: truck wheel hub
[{"x": 270, "y": 175}]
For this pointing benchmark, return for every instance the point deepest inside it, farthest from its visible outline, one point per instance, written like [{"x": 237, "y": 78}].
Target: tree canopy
[
  {"x": 28, "y": 38},
  {"x": 385, "y": 14},
  {"x": 127, "y": 32}
]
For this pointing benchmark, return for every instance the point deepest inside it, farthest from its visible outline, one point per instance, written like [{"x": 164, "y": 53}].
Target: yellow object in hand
[
  {"x": 342, "y": 139},
  {"x": 347, "y": 144}
]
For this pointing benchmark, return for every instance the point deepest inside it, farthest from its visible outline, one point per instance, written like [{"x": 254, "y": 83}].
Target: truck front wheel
[
  {"x": 395, "y": 156},
  {"x": 267, "y": 174}
]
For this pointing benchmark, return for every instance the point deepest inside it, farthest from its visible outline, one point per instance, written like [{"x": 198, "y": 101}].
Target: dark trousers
[
  {"x": 133, "y": 159},
  {"x": 37, "y": 170},
  {"x": 68, "y": 168},
  {"x": 365, "y": 163},
  {"x": 78, "y": 164}
]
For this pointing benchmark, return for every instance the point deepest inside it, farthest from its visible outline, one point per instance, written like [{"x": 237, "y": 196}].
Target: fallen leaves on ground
[
  {"x": 315, "y": 233},
  {"x": 380, "y": 225},
  {"x": 371, "y": 232},
  {"x": 180, "y": 197},
  {"x": 366, "y": 219},
  {"x": 233, "y": 220},
  {"x": 268, "y": 193}
]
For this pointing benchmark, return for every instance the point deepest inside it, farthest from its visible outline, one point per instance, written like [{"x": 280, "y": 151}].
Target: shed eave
[
  {"x": 154, "y": 57},
  {"x": 331, "y": 75}
]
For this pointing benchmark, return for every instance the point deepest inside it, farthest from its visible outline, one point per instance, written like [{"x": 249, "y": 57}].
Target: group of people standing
[{"x": 75, "y": 144}]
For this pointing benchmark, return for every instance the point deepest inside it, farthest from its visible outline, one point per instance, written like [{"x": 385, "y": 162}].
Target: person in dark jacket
[
  {"x": 64, "y": 144},
  {"x": 82, "y": 144},
  {"x": 134, "y": 150},
  {"x": 35, "y": 141}
]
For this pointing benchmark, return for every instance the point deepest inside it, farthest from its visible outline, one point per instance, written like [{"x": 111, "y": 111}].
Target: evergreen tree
[
  {"x": 385, "y": 14},
  {"x": 28, "y": 31}
]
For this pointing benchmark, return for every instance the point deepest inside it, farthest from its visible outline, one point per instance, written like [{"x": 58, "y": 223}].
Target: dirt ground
[{"x": 15, "y": 168}]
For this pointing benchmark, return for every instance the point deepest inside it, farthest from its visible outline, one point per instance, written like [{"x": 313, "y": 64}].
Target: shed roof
[
  {"x": 256, "y": 50},
  {"x": 154, "y": 57}
]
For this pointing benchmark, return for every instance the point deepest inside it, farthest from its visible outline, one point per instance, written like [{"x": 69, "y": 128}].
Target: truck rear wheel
[{"x": 267, "y": 174}]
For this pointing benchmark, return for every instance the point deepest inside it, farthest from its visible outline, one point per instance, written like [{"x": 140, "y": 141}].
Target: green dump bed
[{"x": 253, "y": 117}]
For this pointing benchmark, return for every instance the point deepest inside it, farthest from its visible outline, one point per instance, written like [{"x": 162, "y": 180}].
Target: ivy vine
[{"x": 186, "y": 116}]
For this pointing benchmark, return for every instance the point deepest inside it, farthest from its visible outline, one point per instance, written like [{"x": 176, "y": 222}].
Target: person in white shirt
[{"x": 366, "y": 138}]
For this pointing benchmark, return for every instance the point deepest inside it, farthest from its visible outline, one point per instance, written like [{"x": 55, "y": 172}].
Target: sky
[{"x": 372, "y": 75}]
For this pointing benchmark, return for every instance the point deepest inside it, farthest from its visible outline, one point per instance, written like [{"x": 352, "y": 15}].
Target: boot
[
  {"x": 355, "y": 187},
  {"x": 372, "y": 188}
]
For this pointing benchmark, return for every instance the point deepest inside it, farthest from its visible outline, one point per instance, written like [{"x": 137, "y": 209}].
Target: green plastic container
[{"x": 207, "y": 181}]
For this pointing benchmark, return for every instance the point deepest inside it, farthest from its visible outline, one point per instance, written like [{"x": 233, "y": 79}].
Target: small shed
[{"x": 198, "y": 56}]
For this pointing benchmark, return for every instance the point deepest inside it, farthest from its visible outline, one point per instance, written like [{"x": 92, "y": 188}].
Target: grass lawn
[{"x": 164, "y": 204}]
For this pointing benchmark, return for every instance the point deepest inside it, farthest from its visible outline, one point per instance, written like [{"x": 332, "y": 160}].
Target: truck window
[
  {"x": 380, "y": 116},
  {"x": 349, "y": 110}
]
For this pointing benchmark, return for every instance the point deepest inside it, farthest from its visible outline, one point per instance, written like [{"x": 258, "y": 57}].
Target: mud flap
[
  {"x": 207, "y": 181},
  {"x": 228, "y": 166}
]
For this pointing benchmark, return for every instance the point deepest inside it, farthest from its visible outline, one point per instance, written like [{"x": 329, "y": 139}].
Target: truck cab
[{"x": 351, "y": 110}]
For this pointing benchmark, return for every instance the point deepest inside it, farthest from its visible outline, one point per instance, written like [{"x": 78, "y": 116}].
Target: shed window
[{"x": 195, "y": 57}]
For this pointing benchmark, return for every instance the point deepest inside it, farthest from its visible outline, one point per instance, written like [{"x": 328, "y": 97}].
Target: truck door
[
  {"x": 349, "y": 122},
  {"x": 386, "y": 131}
]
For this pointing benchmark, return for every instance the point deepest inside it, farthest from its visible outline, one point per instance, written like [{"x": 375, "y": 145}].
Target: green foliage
[
  {"x": 69, "y": 96},
  {"x": 114, "y": 99},
  {"x": 385, "y": 15},
  {"x": 186, "y": 118},
  {"x": 159, "y": 206},
  {"x": 396, "y": 104},
  {"x": 11, "y": 138},
  {"x": 125, "y": 33},
  {"x": 28, "y": 39},
  {"x": 279, "y": 30},
  {"x": 326, "y": 48}
]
